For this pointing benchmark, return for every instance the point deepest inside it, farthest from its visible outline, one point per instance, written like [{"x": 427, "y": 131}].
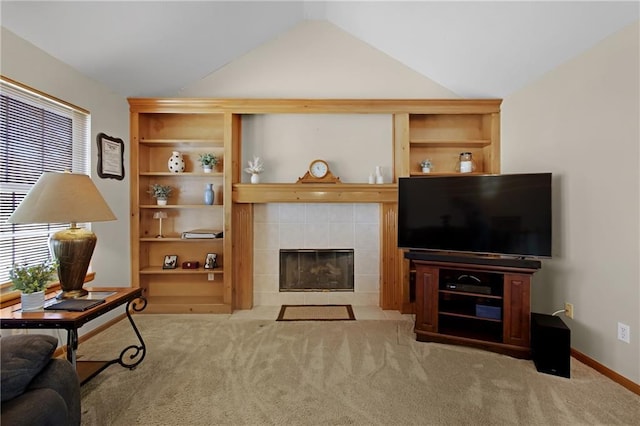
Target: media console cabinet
[{"x": 482, "y": 302}]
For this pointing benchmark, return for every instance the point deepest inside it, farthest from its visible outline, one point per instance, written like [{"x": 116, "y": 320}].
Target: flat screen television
[{"x": 505, "y": 215}]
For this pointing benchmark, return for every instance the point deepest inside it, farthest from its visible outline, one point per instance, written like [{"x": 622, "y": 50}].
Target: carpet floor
[{"x": 213, "y": 370}]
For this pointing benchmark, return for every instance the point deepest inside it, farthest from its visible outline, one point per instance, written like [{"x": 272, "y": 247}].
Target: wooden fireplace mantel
[
  {"x": 244, "y": 196},
  {"x": 314, "y": 193}
]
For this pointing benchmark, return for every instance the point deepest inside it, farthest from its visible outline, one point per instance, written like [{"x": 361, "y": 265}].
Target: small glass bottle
[{"x": 466, "y": 163}]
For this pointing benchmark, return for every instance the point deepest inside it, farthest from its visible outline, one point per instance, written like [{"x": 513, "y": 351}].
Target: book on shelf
[{"x": 202, "y": 233}]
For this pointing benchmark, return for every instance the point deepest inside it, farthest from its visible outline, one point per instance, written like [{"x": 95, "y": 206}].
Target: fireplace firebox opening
[{"x": 316, "y": 270}]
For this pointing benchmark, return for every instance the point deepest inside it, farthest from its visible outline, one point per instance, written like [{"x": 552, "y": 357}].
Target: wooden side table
[{"x": 12, "y": 317}]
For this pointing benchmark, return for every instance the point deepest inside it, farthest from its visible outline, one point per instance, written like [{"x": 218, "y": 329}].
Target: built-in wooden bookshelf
[{"x": 438, "y": 129}]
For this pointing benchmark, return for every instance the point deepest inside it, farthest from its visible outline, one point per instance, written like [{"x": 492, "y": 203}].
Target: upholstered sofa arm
[{"x": 37, "y": 389}]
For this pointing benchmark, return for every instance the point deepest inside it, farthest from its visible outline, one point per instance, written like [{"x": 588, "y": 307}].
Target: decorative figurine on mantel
[{"x": 255, "y": 168}]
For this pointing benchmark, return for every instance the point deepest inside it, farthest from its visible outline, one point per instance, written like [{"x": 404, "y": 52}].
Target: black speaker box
[{"x": 550, "y": 345}]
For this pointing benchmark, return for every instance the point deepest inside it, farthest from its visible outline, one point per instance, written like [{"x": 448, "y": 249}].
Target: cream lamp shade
[{"x": 66, "y": 198}]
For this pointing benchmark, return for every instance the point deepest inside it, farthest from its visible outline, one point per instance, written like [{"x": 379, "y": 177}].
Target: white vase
[
  {"x": 426, "y": 170},
  {"x": 207, "y": 168},
  {"x": 161, "y": 202},
  {"x": 379, "y": 178},
  {"x": 176, "y": 162},
  {"x": 255, "y": 178},
  {"x": 32, "y": 301}
]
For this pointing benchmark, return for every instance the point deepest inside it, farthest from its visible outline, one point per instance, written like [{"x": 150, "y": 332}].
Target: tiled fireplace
[{"x": 317, "y": 226}]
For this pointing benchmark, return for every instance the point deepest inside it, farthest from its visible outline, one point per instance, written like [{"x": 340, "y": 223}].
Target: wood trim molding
[
  {"x": 37, "y": 92},
  {"x": 316, "y": 106},
  {"x": 243, "y": 256},
  {"x": 605, "y": 371},
  {"x": 314, "y": 193}
]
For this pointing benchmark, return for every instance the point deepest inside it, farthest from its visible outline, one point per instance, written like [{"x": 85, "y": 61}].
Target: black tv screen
[{"x": 506, "y": 215}]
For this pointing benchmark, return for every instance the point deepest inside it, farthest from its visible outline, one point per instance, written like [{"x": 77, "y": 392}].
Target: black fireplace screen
[{"x": 316, "y": 270}]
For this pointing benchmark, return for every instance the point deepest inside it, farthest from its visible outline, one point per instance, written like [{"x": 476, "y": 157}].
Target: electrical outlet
[
  {"x": 624, "y": 332},
  {"x": 568, "y": 310}
]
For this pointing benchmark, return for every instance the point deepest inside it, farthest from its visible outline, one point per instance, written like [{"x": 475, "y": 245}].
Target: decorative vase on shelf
[
  {"x": 255, "y": 178},
  {"x": 32, "y": 301},
  {"x": 208, "y": 194},
  {"x": 176, "y": 162},
  {"x": 466, "y": 163},
  {"x": 426, "y": 170},
  {"x": 207, "y": 168},
  {"x": 379, "y": 178},
  {"x": 161, "y": 201}
]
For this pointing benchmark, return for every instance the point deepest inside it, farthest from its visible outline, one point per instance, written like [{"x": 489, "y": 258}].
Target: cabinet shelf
[
  {"x": 180, "y": 206},
  {"x": 471, "y": 337},
  {"x": 179, "y": 239},
  {"x": 182, "y": 142},
  {"x": 474, "y": 317},
  {"x": 469, "y": 294},
  {"x": 157, "y": 270},
  {"x": 184, "y": 174},
  {"x": 448, "y": 143},
  {"x": 445, "y": 174}
]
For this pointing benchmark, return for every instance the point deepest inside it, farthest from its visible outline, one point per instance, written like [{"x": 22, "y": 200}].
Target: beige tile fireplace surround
[{"x": 316, "y": 226}]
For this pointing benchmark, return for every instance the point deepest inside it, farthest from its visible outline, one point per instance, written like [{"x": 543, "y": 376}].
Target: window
[{"x": 37, "y": 134}]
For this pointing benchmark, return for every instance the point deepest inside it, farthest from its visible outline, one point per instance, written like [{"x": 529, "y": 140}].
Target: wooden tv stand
[{"x": 482, "y": 302}]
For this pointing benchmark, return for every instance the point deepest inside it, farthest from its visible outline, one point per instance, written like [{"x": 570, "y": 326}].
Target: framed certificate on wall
[{"x": 110, "y": 157}]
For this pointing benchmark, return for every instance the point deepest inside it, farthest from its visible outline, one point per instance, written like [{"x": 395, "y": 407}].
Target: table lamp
[
  {"x": 160, "y": 216},
  {"x": 61, "y": 198}
]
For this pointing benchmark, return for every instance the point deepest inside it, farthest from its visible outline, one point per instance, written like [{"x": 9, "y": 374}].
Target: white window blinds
[{"x": 37, "y": 134}]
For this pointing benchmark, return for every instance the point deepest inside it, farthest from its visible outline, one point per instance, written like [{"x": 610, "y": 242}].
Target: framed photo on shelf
[
  {"x": 211, "y": 261},
  {"x": 170, "y": 261},
  {"x": 110, "y": 157}
]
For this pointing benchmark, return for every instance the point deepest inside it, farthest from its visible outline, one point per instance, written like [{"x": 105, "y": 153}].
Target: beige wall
[
  {"x": 580, "y": 121},
  {"x": 23, "y": 62},
  {"x": 316, "y": 59}
]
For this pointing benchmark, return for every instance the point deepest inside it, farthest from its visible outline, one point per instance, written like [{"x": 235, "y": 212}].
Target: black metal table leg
[
  {"x": 137, "y": 353},
  {"x": 72, "y": 345}
]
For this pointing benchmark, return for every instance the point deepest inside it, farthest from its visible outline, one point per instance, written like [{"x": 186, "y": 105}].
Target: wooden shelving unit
[
  {"x": 442, "y": 137},
  {"x": 438, "y": 129},
  {"x": 155, "y": 134}
]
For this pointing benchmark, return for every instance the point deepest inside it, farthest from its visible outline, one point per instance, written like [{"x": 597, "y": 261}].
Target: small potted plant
[
  {"x": 255, "y": 168},
  {"x": 208, "y": 162},
  {"x": 426, "y": 166},
  {"x": 31, "y": 281},
  {"x": 161, "y": 193}
]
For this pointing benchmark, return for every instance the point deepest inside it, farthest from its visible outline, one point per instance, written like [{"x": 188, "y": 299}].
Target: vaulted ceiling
[{"x": 475, "y": 49}]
